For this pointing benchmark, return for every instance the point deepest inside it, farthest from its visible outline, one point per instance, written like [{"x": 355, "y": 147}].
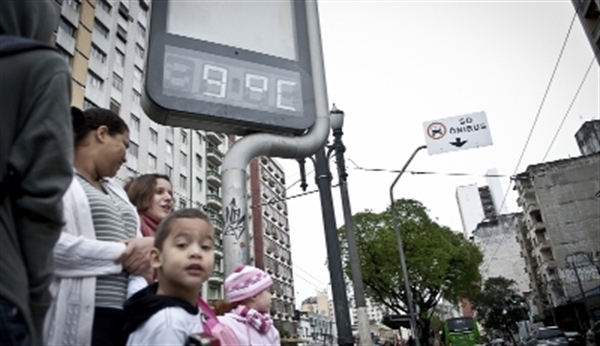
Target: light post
[
  {"x": 337, "y": 122},
  {"x": 336, "y": 272}
]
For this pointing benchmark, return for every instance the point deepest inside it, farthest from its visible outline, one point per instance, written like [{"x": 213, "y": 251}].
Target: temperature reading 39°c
[{"x": 245, "y": 85}]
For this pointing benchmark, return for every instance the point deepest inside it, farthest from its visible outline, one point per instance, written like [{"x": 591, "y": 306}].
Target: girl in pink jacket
[{"x": 248, "y": 289}]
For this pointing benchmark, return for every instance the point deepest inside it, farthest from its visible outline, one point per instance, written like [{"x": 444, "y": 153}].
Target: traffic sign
[
  {"x": 457, "y": 133},
  {"x": 230, "y": 66}
]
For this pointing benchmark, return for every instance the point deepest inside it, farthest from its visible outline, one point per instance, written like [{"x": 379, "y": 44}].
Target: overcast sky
[{"x": 391, "y": 65}]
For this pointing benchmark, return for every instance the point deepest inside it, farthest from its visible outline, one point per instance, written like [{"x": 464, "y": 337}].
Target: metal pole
[
  {"x": 336, "y": 273},
  {"x": 411, "y": 310},
  {"x": 585, "y": 301},
  {"x": 357, "y": 280}
]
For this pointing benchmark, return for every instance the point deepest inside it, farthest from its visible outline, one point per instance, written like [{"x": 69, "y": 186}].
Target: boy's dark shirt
[{"x": 145, "y": 303}]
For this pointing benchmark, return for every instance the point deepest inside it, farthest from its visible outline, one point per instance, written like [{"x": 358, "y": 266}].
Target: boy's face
[{"x": 187, "y": 256}]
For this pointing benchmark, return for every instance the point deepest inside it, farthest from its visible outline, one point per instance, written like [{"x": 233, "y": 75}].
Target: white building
[
  {"x": 469, "y": 207},
  {"x": 502, "y": 255}
]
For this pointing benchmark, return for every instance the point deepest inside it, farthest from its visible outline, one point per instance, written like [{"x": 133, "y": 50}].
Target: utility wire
[
  {"x": 309, "y": 274},
  {"x": 532, "y": 129},
  {"x": 569, "y": 109}
]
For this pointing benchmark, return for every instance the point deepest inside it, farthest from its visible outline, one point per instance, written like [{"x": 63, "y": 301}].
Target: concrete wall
[
  {"x": 566, "y": 193},
  {"x": 497, "y": 240},
  {"x": 588, "y": 137}
]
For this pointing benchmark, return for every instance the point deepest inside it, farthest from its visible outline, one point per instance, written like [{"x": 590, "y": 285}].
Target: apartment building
[
  {"x": 559, "y": 232},
  {"x": 105, "y": 42},
  {"x": 270, "y": 231},
  {"x": 588, "y": 12}
]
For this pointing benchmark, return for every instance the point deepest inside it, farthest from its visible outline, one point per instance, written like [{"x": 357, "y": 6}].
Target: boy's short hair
[{"x": 164, "y": 227}]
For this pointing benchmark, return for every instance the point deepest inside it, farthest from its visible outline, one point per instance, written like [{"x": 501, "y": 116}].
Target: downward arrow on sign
[{"x": 458, "y": 143}]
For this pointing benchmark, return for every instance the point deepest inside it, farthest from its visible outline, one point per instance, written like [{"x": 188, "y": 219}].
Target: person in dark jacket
[{"x": 36, "y": 153}]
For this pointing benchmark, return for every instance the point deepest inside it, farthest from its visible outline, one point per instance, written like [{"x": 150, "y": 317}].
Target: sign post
[{"x": 442, "y": 136}]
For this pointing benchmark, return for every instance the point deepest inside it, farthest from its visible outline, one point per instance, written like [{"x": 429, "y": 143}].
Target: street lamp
[{"x": 323, "y": 181}]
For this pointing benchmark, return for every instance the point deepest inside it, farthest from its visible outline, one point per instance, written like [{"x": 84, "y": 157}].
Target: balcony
[
  {"x": 214, "y": 155},
  {"x": 213, "y": 177},
  {"x": 549, "y": 265},
  {"x": 216, "y": 276},
  {"x": 217, "y": 224},
  {"x": 214, "y": 137},
  {"x": 545, "y": 245},
  {"x": 214, "y": 201},
  {"x": 531, "y": 206}
]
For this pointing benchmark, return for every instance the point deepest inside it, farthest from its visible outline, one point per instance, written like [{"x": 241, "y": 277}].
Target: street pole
[
  {"x": 409, "y": 298},
  {"x": 357, "y": 280},
  {"x": 336, "y": 272}
]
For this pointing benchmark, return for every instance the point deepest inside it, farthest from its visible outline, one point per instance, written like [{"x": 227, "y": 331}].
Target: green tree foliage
[
  {"x": 499, "y": 305},
  {"x": 440, "y": 262}
]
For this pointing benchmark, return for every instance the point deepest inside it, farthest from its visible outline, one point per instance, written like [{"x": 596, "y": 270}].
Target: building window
[
  {"x": 183, "y": 137},
  {"x": 199, "y": 137},
  {"x": 98, "y": 54},
  {"x": 135, "y": 96},
  {"x": 198, "y": 160},
  {"x": 182, "y": 203},
  {"x": 131, "y": 173},
  {"x": 133, "y": 149},
  {"x": 104, "y": 5},
  {"x": 66, "y": 55},
  {"x": 169, "y": 148},
  {"x": 124, "y": 12},
  {"x": 121, "y": 34},
  {"x": 101, "y": 29},
  {"x": 198, "y": 184},
  {"x": 183, "y": 159},
  {"x": 182, "y": 181},
  {"x": 115, "y": 106},
  {"x": 87, "y": 104},
  {"x": 135, "y": 123},
  {"x": 138, "y": 74},
  {"x": 119, "y": 57},
  {"x": 67, "y": 27},
  {"x": 141, "y": 30},
  {"x": 94, "y": 80},
  {"x": 153, "y": 136},
  {"x": 151, "y": 161},
  {"x": 168, "y": 171},
  {"x": 74, "y": 4},
  {"x": 139, "y": 51},
  {"x": 117, "y": 82}
]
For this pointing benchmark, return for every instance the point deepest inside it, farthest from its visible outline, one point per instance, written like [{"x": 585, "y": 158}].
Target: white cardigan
[{"x": 78, "y": 259}]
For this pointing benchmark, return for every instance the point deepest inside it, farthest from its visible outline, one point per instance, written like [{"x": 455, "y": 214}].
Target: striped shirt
[{"x": 114, "y": 220}]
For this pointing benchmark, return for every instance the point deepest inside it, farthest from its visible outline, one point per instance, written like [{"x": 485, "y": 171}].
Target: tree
[
  {"x": 440, "y": 262},
  {"x": 499, "y": 305}
]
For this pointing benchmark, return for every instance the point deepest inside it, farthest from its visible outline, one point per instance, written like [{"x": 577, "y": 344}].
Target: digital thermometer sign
[{"x": 235, "y": 67}]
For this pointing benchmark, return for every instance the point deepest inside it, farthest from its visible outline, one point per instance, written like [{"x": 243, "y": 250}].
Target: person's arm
[
  {"x": 76, "y": 256},
  {"x": 42, "y": 156}
]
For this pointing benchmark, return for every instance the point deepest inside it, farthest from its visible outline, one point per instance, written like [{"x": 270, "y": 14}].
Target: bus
[{"x": 461, "y": 331}]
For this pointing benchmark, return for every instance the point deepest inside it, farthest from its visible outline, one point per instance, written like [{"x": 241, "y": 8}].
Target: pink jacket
[{"x": 248, "y": 335}]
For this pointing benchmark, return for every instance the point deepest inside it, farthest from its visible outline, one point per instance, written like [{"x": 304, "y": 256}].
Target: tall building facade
[
  {"x": 497, "y": 239},
  {"x": 271, "y": 247},
  {"x": 588, "y": 12},
  {"x": 475, "y": 204},
  {"x": 559, "y": 231},
  {"x": 105, "y": 43}
]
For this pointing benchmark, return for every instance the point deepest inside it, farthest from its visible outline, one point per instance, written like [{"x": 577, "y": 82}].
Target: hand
[{"x": 136, "y": 257}]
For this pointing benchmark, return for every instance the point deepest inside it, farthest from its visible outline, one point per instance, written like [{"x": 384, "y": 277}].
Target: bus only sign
[{"x": 457, "y": 133}]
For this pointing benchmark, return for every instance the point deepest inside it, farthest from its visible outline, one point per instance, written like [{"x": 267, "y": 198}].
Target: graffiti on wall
[
  {"x": 234, "y": 220},
  {"x": 582, "y": 262}
]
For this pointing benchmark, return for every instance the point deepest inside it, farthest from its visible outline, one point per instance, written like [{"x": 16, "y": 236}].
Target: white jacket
[{"x": 78, "y": 259}]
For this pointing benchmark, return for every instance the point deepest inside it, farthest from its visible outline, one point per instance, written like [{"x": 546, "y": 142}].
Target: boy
[{"x": 166, "y": 312}]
